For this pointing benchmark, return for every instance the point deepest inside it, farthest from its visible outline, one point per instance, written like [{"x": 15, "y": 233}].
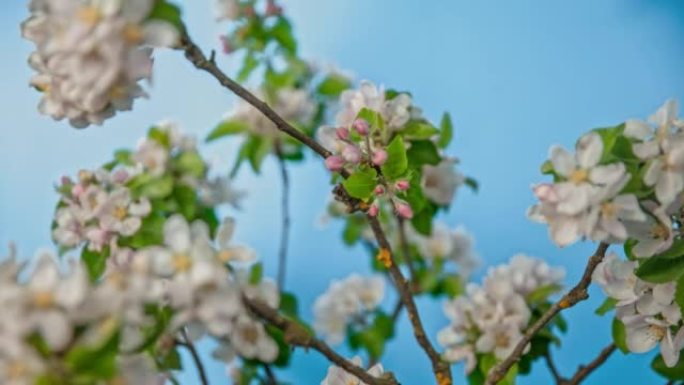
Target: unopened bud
[
  {"x": 373, "y": 210},
  {"x": 379, "y": 190},
  {"x": 334, "y": 163},
  {"x": 379, "y": 157},
  {"x": 361, "y": 126},
  {"x": 404, "y": 210},
  {"x": 351, "y": 154},
  {"x": 402, "y": 185},
  {"x": 342, "y": 133}
]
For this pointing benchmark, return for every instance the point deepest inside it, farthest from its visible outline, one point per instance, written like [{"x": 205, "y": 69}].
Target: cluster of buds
[{"x": 354, "y": 148}]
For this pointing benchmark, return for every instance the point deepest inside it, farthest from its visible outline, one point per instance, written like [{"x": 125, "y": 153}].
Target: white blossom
[
  {"x": 457, "y": 245},
  {"x": 339, "y": 376},
  {"x": 440, "y": 182},
  {"x": 395, "y": 112}
]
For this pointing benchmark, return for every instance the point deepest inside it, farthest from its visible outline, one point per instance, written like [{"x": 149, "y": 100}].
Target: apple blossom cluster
[
  {"x": 395, "y": 108},
  {"x": 339, "y": 376},
  {"x": 648, "y": 311},
  {"x": 456, "y": 246},
  {"x": 624, "y": 182},
  {"x": 91, "y": 55},
  {"x": 490, "y": 318},
  {"x": 346, "y": 303},
  {"x": 103, "y": 205},
  {"x": 180, "y": 287}
]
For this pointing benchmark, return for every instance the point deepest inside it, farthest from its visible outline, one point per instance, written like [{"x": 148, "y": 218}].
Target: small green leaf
[
  {"x": 606, "y": 306},
  {"x": 163, "y": 10},
  {"x": 472, "y": 183},
  {"x": 226, "y": 128},
  {"x": 282, "y": 32},
  {"x": 158, "y": 187},
  {"x": 674, "y": 373},
  {"x": 333, "y": 85},
  {"x": 288, "y": 304},
  {"x": 620, "y": 335},
  {"x": 542, "y": 293},
  {"x": 423, "y": 152},
  {"x": 360, "y": 184},
  {"x": 417, "y": 129},
  {"x": 659, "y": 269},
  {"x": 190, "y": 162},
  {"x": 396, "y": 163},
  {"x": 95, "y": 262},
  {"x": 256, "y": 273},
  {"x": 373, "y": 118},
  {"x": 446, "y": 131}
]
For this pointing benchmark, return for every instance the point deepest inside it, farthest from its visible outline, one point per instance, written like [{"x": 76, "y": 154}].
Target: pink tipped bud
[
  {"x": 402, "y": 185},
  {"x": 66, "y": 181},
  {"x": 272, "y": 9},
  {"x": 361, "y": 126},
  {"x": 351, "y": 154},
  {"x": 342, "y": 133},
  {"x": 379, "y": 157},
  {"x": 334, "y": 163},
  {"x": 77, "y": 190},
  {"x": 373, "y": 210},
  {"x": 379, "y": 190},
  {"x": 404, "y": 210},
  {"x": 226, "y": 45},
  {"x": 545, "y": 192},
  {"x": 120, "y": 176}
]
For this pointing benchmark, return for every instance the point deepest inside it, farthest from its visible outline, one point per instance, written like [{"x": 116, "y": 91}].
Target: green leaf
[
  {"x": 186, "y": 198},
  {"x": 190, "y": 162},
  {"x": 452, "y": 285},
  {"x": 282, "y": 32},
  {"x": 373, "y": 118},
  {"x": 423, "y": 152},
  {"x": 289, "y": 304},
  {"x": 620, "y": 335},
  {"x": 255, "y": 150},
  {"x": 446, "y": 131},
  {"x": 249, "y": 64},
  {"x": 674, "y": 373},
  {"x": 96, "y": 361},
  {"x": 417, "y": 129},
  {"x": 361, "y": 184},
  {"x": 606, "y": 306},
  {"x": 542, "y": 293},
  {"x": 396, "y": 163},
  {"x": 675, "y": 251},
  {"x": 472, "y": 183},
  {"x": 95, "y": 262},
  {"x": 659, "y": 269},
  {"x": 333, "y": 85},
  {"x": 256, "y": 273},
  {"x": 158, "y": 187},
  {"x": 226, "y": 128},
  {"x": 168, "y": 12},
  {"x": 422, "y": 220},
  {"x": 171, "y": 361},
  {"x": 679, "y": 294}
]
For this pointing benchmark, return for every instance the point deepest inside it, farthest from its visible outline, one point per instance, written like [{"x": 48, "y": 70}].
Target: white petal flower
[{"x": 440, "y": 182}]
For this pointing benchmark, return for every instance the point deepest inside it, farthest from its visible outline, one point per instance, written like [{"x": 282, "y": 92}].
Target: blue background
[{"x": 517, "y": 76}]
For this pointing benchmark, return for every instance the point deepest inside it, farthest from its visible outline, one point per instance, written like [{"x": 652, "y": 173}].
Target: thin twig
[
  {"x": 295, "y": 334},
  {"x": 195, "y": 55},
  {"x": 441, "y": 369},
  {"x": 585, "y": 370},
  {"x": 285, "y": 207},
  {"x": 270, "y": 375},
  {"x": 553, "y": 369},
  {"x": 187, "y": 343},
  {"x": 576, "y": 294}
]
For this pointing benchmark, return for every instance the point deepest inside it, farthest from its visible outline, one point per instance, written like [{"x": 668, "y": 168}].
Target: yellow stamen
[
  {"x": 133, "y": 34},
  {"x": 225, "y": 256},
  {"x": 43, "y": 299},
  {"x": 17, "y": 370},
  {"x": 120, "y": 213},
  {"x": 181, "y": 262},
  {"x": 89, "y": 15},
  {"x": 579, "y": 176},
  {"x": 659, "y": 231},
  {"x": 608, "y": 209}
]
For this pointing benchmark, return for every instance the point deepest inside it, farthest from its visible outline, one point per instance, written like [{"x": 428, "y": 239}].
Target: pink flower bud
[
  {"x": 379, "y": 157},
  {"x": 334, "y": 163},
  {"x": 342, "y": 133},
  {"x": 402, "y": 185},
  {"x": 66, "y": 181},
  {"x": 120, "y": 176},
  {"x": 379, "y": 190},
  {"x": 361, "y": 126},
  {"x": 227, "y": 47},
  {"x": 351, "y": 154},
  {"x": 77, "y": 190},
  {"x": 404, "y": 210},
  {"x": 545, "y": 192},
  {"x": 373, "y": 210},
  {"x": 272, "y": 9}
]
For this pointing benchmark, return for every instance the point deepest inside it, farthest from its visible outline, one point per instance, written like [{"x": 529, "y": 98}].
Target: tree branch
[
  {"x": 187, "y": 343},
  {"x": 441, "y": 369},
  {"x": 403, "y": 241},
  {"x": 285, "y": 207},
  {"x": 553, "y": 369},
  {"x": 585, "y": 370},
  {"x": 195, "y": 55},
  {"x": 297, "y": 335},
  {"x": 576, "y": 294}
]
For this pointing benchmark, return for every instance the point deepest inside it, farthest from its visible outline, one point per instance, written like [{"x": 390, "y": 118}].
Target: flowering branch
[
  {"x": 576, "y": 294},
  {"x": 187, "y": 343},
  {"x": 285, "y": 230},
  {"x": 297, "y": 335},
  {"x": 441, "y": 369}
]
